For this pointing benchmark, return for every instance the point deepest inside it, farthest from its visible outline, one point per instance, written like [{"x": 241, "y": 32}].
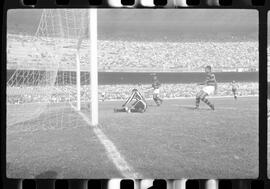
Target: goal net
[{"x": 50, "y": 72}]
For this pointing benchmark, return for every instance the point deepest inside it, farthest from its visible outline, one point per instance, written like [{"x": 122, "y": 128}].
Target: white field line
[{"x": 113, "y": 154}]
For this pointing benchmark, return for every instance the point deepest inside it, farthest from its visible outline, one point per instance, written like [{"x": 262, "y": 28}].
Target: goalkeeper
[{"x": 139, "y": 104}]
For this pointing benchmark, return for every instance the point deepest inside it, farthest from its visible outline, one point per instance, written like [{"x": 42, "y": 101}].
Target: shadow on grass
[{"x": 47, "y": 175}]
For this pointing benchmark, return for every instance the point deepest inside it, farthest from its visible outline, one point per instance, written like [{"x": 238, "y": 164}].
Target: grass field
[{"x": 171, "y": 141}]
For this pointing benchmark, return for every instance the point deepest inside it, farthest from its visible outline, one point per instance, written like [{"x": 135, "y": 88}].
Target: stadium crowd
[
  {"x": 57, "y": 94},
  {"x": 120, "y": 55}
]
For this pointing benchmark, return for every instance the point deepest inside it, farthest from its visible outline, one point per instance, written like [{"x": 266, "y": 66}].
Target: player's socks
[
  {"x": 197, "y": 103},
  {"x": 206, "y": 101},
  {"x": 156, "y": 101}
]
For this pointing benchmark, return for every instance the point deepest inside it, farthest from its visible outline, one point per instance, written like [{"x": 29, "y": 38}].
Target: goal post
[
  {"x": 93, "y": 62},
  {"x": 78, "y": 80},
  {"x": 92, "y": 34},
  {"x": 92, "y": 29}
]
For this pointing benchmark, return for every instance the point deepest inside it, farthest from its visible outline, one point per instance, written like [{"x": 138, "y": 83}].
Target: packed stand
[{"x": 121, "y": 55}]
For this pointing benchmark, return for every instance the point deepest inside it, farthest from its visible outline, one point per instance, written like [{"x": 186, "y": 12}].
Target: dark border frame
[{"x": 262, "y": 13}]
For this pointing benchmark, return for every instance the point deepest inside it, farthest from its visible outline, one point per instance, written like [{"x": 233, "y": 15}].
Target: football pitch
[{"x": 170, "y": 141}]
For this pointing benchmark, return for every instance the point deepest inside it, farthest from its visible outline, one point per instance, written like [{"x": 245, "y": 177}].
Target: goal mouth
[{"x": 45, "y": 79}]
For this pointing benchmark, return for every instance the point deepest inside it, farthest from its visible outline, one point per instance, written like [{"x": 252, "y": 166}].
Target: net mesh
[{"x": 41, "y": 92}]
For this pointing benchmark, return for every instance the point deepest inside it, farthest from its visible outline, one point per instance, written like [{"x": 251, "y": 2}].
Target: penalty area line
[{"x": 113, "y": 154}]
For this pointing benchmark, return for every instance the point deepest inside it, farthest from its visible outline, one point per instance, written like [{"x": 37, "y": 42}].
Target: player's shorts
[
  {"x": 209, "y": 90},
  {"x": 234, "y": 90},
  {"x": 156, "y": 91}
]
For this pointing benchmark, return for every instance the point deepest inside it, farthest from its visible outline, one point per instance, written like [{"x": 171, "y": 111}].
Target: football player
[
  {"x": 139, "y": 104},
  {"x": 234, "y": 89},
  {"x": 156, "y": 85},
  {"x": 209, "y": 88}
]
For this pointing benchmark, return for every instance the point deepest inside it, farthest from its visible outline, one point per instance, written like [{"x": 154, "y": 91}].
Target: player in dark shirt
[
  {"x": 209, "y": 89},
  {"x": 234, "y": 89},
  {"x": 156, "y": 85},
  {"x": 138, "y": 105}
]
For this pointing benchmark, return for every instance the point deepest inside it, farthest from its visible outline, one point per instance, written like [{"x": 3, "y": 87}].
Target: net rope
[{"x": 43, "y": 83}]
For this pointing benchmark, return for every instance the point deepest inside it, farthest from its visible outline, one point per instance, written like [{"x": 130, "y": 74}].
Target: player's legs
[
  {"x": 129, "y": 99},
  {"x": 125, "y": 105},
  {"x": 139, "y": 106},
  {"x": 155, "y": 98},
  {"x": 206, "y": 101},
  {"x": 137, "y": 110},
  {"x": 207, "y": 90},
  {"x": 198, "y": 99},
  {"x": 234, "y": 94},
  {"x": 138, "y": 94},
  {"x": 159, "y": 99}
]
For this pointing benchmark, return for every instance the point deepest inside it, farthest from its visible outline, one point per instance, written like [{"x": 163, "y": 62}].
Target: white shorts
[
  {"x": 156, "y": 91},
  {"x": 209, "y": 90}
]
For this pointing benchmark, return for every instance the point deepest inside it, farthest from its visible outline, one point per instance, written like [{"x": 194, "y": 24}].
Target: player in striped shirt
[
  {"x": 139, "y": 103},
  {"x": 209, "y": 88}
]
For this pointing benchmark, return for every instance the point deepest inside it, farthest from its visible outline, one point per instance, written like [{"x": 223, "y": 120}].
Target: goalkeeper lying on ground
[{"x": 138, "y": 105}]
